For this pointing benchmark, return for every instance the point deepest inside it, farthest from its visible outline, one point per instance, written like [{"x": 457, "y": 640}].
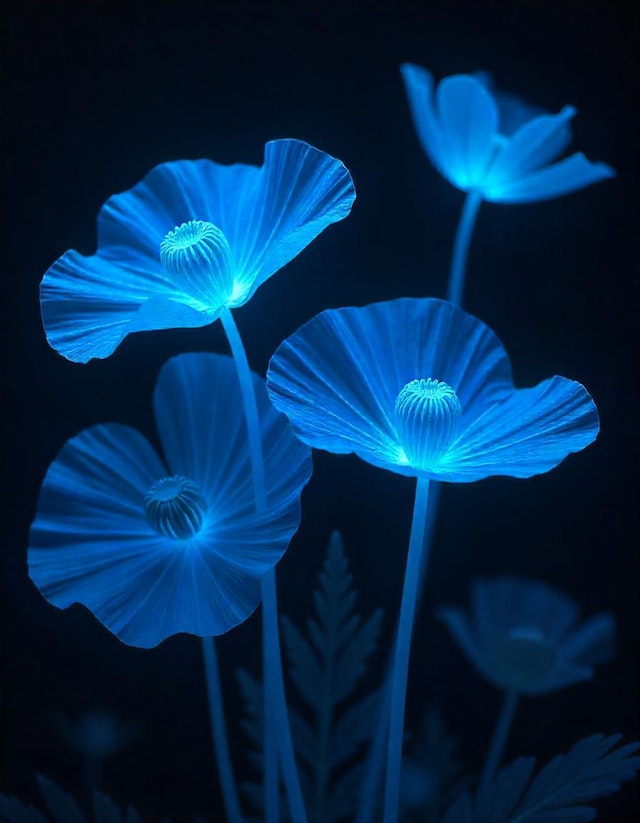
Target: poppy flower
[
  {"x": 423, "y": 389},
  {"x": 524, "y": 635},
  {"x": 154, "y": 547},
  {"x": 193, "y": 238},
  {"x": 503, "y": 149}
]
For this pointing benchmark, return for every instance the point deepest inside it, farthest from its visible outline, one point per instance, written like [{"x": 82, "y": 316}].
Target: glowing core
[
  {"x": 175, "y": 508},
  {"x": 427, "y": 413}
]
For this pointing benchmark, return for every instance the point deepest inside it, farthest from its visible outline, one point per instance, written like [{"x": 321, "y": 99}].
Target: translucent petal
[
  {"x": 513, "y": 110},
  {"x": 574, "y": 172},
  {"x": 198, "y": 408},
  {"x": 503, "y": 603},
  {"x": 463, "y": 633},
  {"x": 564, "y": 674},
  {"x": 419, "y": 86},
  {"x": 338, "y": 376},
  {"x": 535, "y": 144},
  {"x": 528, "y": 433},
  {"x": 267, "y": 214},
  {"x": 89, "y": 305},
  {"x": 593, "y": 642},
  {"x": 91, "y": 543},
  {"x": 469, "y": 122}
]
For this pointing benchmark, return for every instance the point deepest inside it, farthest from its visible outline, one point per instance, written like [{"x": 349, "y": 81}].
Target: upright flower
[
  {"x": 155, "y": 547},
  {"x": 485, "y": 141},
  {"x": 493, "y": 146},
  {"x": 192, "y": 239},
  {"x": 524, "y": 637},
  {"x": 423, "y": 389}
]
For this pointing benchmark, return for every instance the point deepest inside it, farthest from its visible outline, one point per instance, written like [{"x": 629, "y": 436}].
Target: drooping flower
[
  {"x": 421, "y": 388},
  {"x": 485, "y": 141},
  {"x": 193, "y": 238},
  {"x": 524, "y": 636},
  {"x": 157, "y": 547}
]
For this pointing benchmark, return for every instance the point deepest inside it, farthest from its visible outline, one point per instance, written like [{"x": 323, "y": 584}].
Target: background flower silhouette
[{"x": 504, "y": 151}]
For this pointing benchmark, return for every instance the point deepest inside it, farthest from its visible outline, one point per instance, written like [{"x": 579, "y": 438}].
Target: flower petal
[
  {"x": 563, "y": 674},
  {"x": 90, "y": 304},
  {"x": 419, "y": 86},
  {"x": 503, "y": 603},
  {"x": 593, "y": 642},
  {"x": 574, "y": 172},
  {"x": 338, "y": 376},
  {"x": 469, "y": 122},
  {"x": 535, "y": 144},
  {"x": 267, "y": 214},
  {"x": 458, "y": 624},
  {"x": 198, "y": 409},
  {"x": 528, "y": 433},
  {"x": 90, "y": 543},
  {"x": 513, "y": 110}
]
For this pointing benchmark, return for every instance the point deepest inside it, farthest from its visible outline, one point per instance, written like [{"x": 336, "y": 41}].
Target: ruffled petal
[
  {"x": 528, "y": 433},
  {"x": 198, "y": 409},
  {"x": 338, "y": 376},
  {"x": 91, "y": 543},
  {"x": 419, "y": 86},
  {"x": 268, "y": 214},
  {"x": 535, "y": 144},
  {"x": 469, "y": 121},
  {"x": 90, "y": 304},
  {"x": 574, "y": 172}
]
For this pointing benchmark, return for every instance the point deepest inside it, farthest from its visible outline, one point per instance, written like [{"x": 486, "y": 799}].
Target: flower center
[
  {"x": 427, "y": 414},
  {"x": 197, "y": 258},
  {"x": 175, "y": 508}
]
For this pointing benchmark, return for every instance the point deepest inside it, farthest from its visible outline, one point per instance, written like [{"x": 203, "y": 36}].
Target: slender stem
[
  {"x": 219, "y": 731},
  {"x": 370, "y": 788},
  {"x": 277, "y": 734},
  {"x": 461, "y": 247},
  {"x": 500, "y": 733},
  {"x": 403, "y": 646}
]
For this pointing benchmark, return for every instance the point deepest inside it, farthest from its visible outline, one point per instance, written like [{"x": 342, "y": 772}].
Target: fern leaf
[
  {"x": 304, "y": 669},
  {"x": 592, "y": 769},
  {"x": 13, "y": 810},
  {"x": 62, "y": 806}
]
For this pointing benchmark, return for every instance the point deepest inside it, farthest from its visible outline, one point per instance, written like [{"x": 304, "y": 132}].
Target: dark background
[{"x": 96, "y": 94}]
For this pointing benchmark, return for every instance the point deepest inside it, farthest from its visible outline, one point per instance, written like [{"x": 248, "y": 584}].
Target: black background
[{"x": 99, "y": 92}]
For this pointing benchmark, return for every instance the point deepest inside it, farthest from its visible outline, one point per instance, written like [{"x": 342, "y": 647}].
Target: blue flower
[
  {"x": 524, "y": 636},
  {"x": 154, "y": 548},
  {"x": 492, "y": 143},
  {"x": 420, "y": 387},
  {"x": 192, "y": 238}
]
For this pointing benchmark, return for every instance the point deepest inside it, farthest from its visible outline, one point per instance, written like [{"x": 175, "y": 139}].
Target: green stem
[
  {"x": 277, "y": 732},
  {"x": 403, "y": 647},
  {"x": 458, "y": 269}
]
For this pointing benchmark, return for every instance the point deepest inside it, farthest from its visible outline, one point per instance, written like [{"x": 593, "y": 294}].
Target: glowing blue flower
[
  {"x": 420, "y": 387},
  {"x": 192, "y": 238},
  {"x": 493, "y": 143},
  {"x": 523, "y": 635},
  {"x": 153, "y": 549}
]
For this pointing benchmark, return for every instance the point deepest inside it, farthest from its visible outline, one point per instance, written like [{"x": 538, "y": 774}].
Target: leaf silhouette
[
  {"x": 592, "y": 769},
  {"x": 325, "y": 665}
]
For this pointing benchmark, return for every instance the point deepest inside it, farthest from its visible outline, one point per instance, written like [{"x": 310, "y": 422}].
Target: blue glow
[
  {"x": 485, "y": 141},
  {"x": 190, "y": 239},
  {"x": 524, "y": 635},
  {"x": 338, "y": 378},
  {"x": 153, "y": 551},
  {"x": 427, "y": 415}
]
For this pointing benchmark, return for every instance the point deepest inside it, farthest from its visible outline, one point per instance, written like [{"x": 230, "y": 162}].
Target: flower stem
[
  {"x": 219, "y": 731},
  {"x": 458, "y": 269},
  {"x": 496, "y": 747},
  {"x": 277, "y": 732},
  {"x": 403, "y": 646},
  {"x": 370, "y": 788}
]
